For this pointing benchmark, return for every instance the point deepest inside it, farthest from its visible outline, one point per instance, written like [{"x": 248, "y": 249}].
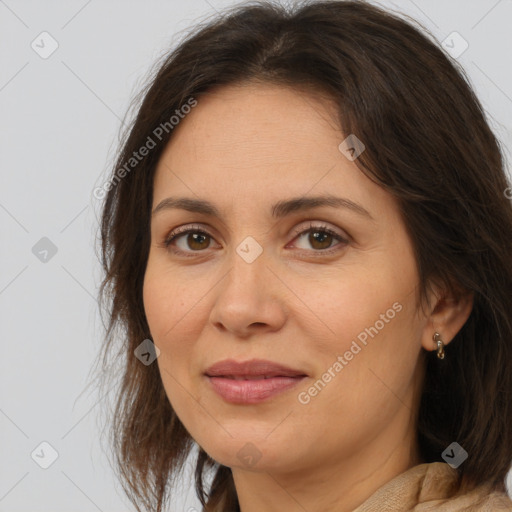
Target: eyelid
[
  {"x": 320, "y": 226},
  {"x": 185, "y": 229},
  {"x": 299, "y": 230}
]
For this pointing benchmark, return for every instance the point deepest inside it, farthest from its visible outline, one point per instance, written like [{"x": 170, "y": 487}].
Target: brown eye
[
  {"x": 195, "y": 240},
  {"x": 320, "y": 239}
]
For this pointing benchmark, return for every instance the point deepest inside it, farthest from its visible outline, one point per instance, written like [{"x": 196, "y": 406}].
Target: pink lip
[{"x": 253, "y": 381}]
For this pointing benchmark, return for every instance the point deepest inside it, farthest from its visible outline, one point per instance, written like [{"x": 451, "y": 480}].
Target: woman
[{"x": 306, "y": 242}]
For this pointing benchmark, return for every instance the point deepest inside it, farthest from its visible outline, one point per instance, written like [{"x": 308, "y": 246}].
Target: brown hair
[{"x": 427, "y": 143}]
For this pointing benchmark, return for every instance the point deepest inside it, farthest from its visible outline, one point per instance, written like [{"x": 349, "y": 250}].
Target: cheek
[
  {"x": 342, "y": 305},
  {"x": 167, "y": 301},
  {"x": 165, "y": 310},
  {"x": 175, "y": 309},
  {"x": 366, "y": 315},
  {"x": 158, "y": 307},
  {"x": 168, "y": 311}
]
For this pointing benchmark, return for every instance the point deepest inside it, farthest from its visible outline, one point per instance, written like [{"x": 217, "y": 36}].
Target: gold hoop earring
[{"x": 440, "y": 345}]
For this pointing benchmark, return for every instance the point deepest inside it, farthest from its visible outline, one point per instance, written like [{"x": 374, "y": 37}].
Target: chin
[{"x": 247, "y": 451}]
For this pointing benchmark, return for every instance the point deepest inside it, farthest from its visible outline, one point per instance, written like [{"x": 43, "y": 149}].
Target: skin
[{"x": 244, "y": 148}]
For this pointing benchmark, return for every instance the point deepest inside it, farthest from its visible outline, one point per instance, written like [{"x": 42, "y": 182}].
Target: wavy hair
[{"x": 428, "y": 144}]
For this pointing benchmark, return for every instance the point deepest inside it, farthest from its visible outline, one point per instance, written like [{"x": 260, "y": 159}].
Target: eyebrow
[{"x": 278, "y": 210}]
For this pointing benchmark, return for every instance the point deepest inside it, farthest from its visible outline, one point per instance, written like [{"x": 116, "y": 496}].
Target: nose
[{"x": 249, "y": 299}]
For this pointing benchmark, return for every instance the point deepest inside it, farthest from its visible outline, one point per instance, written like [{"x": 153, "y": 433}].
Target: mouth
[
  {"x": 247, "y": 377},
  {"x": 252, "y": 369},
  {"x": 253, "y": 381}
]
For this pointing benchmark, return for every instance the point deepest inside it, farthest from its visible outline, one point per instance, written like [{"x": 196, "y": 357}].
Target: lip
[{"x": 250, "y": 382}]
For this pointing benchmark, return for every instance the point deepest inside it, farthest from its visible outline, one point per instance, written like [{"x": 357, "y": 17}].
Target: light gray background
[{"x": 59, "y": 121}]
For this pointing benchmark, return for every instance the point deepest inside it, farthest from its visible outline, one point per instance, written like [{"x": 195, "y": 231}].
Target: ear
[{"x": 447, "y": 313}]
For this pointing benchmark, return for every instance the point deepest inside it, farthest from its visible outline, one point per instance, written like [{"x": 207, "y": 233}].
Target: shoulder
[
  {"x": 433, "y": 487},
  {"x": 440, "y": 489}
]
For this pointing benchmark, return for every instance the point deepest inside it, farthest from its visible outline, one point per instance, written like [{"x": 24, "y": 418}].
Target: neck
[{"x": 333, "y": 486}]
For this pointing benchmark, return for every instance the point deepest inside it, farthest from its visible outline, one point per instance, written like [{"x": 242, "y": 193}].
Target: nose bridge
[
  {"x": 246, "y": 296},
  {"x": 250, "y": 249},
  {"x": 248, "y": 264},
  {"x": 248, "y": 256}
]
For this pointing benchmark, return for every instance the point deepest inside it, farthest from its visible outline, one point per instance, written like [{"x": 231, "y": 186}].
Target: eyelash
[{"x": 312, "y": 228}]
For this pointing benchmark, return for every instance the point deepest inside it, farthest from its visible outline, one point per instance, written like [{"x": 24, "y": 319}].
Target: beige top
[{"x": 433, "y": 487}]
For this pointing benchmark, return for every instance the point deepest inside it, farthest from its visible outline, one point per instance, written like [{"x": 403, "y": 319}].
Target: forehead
[
  {"x": 233, "y": 122},
  {"x": 259, "y": 143}
]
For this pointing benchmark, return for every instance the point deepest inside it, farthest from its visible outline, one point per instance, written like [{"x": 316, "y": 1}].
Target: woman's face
[{"x": 265, "y": 281}]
